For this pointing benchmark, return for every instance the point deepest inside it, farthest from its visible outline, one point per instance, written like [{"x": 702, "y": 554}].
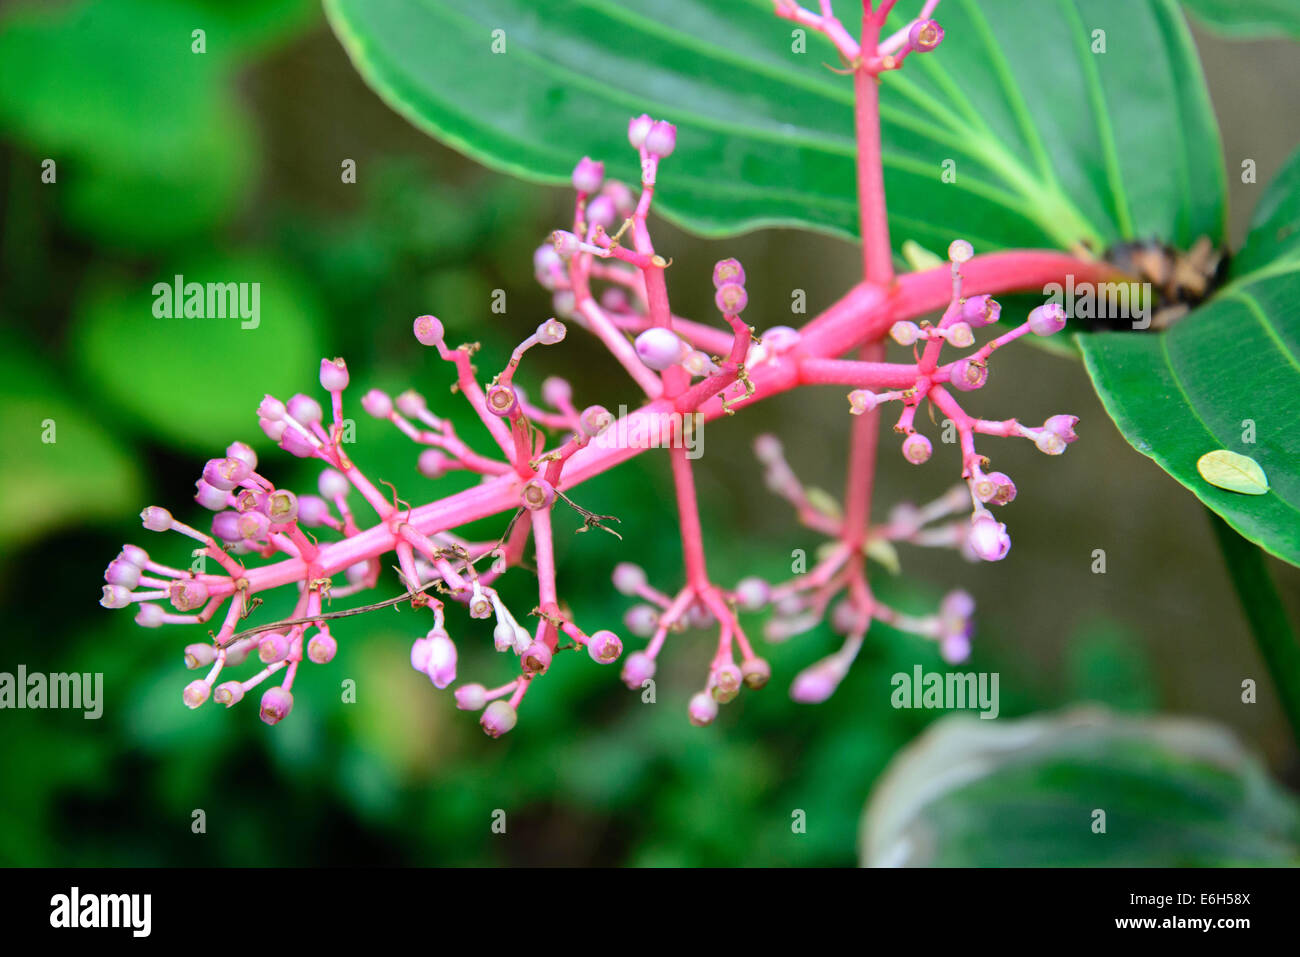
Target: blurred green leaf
[
  {"x": 60, "y": 465},
  {"x": 1248, "y": 18},
  {"x": 765, "y": 132},
  {"x": 1175, "y": 792},
  {"x": 197, "y": 382}
]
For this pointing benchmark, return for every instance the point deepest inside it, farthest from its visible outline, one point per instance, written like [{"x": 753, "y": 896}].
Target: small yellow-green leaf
[
  {"x": 1236, "y": 473},
  {"x": 918, "y": 257},
  {"x": 824, "y": 502},
  {"x": 883, "y": 552}
]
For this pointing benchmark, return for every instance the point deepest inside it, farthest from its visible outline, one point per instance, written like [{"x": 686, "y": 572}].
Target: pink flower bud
[
  {"x": 916, "y": 448},
  {"x": 254, "y": 526},
  {"x": 660, "y": 348},
  {"x": 199, "y": 655},
  {"x": 271, "y": 409},
  {"x": 661, "y": 139},
  {"x": 156, "y": 519},
  {"x": 638, "y": 128},
  {"x": 726, "y": 682},
  {"x": 981, "y": 311},
  {"x": 753, "y": 593},
  {"x": 501, "y": 399},
  {"x": 641, "y": 620},
  {"x": 115, "y": 596},
  {"x": 960, "y": 251},
  {"x": 274, "y": 429},
  {"x": 536, "y": 658},
  {"x": 333, "y": 375},
  {"x": 312, "y": 512},
  {"x": 428, "y": 331},
  {"x": 332, "y": 484},
  {"x": 1062, "y": 426},
  {"x": 817, "y": 682},
  {"x": 702, "y": 709},
  {"x": 955, "y": 647},
  {"x": 628, "y": 578},
  {"x": 602, "y": 212},
  {"x": 619, "y": 194},
  {"x": 756, "y": 672},
  {"x": 135, "y": 555},
  {"x": 595, "y": 419},
  {"x": 545, "y": 263},
  {"x": 767, "y": 449},
  {"x": 297, "y": 444},
  {"x": 1047, "y": 319},
  {"x": 149, "y": 615},
  {"x": 322, "y": 648},
  {"x": 421, "y": 648},
  {"x": 123, "y": 573},
  {"x": 566, "y": 243},
  {"x": 537, "y": 494},
  {"x": 904, "y": 333},
  {"x": 556, "y": 391},
  {"x": 957, "y": 606},
  {"x": 305, "y": 410},
  {"x": 273, "y": 647},
  {"x": 209, "y": 496},
  {"x": 196, "y": 692},
  {"x": 276, "y": 705},
  {"x": 433, "y": 464},
  {"x": 441, "y": 666},
  {"x": 239, "y": 450},
  {"x": 988, "y": 538},
  {"x": 377, "y": 403},
  {"x": 550, "y": 332},
  {"x": 924, "y": 36},
  {"x": 229, "y": 693},
  {"x": 604, "y": 647},
  {"x": 498, "y": 718},
  {"x": 969, "y": 374},
  {"x": 638, "y": 668},
  {"x": 959, "y": 335},
  {"x": 1005, "y": 490},
  {"x": 470, "y": 697},
  {"x": 187, "y": 594},
  {"x": 861, "y": 401},
  {"x": 731, "y": 299},
  {"x": 728, "y": 270},
  {"x": 225, "y": 474},
  {"x": 588, "y": 175}
]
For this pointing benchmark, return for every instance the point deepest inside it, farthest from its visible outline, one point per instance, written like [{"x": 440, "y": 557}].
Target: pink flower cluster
[{"x": 607, "y": 279}]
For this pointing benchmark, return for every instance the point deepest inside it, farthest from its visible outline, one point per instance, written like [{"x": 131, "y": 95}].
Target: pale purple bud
[
  {"x": 731, "y": 299},
  {"x": 545, "y": 262},
  {"x": 225, "y": 526},
  {"x": 556, "y": 391},
  {"x": 604, "y": 647},
  {"x": 861, "y": 401},
  {"x": 537, "y": 494},
  {"x": 817, "y": 682},
  {"x": 988, "y": 538},
  {"x": 410, "y": 403},
  {"x": 187, "y": 594},
  {"x": 498, "y": 718},
  {"x": 199, "y": 655},
  {"x": 641, "y": 620},
  {"x": 1062, "y": 426},
  {"x": 239, "y": 450},
  {"x": 377, "y": 403},
  {"x": 660, "y": 348},
  {"x": 135, "y": 555},
  {"x": 638, "y": 128},
  {"x": 916, "y": 448},
  {"x": 501, "y": 399},
  {"x": 421, "y": 649},
  {"x": 661, "y": 139},
  {"x": 904, "y": 333},
  {"x": 588, "y": 175},
  {"x": 305, "y": 410},
  {"x": 503, "y": 636},
  {"x": 270, "y": 408},
  {"x": 280, "y": 506},
  {"x": 959, "y": 335},
  {"x": 428, "y": 331},
  {"x": 628, "y": 578},
  {"x": 1005, "y": 491},
  {"x": 960, "y": 251},
  {"x": 225, "y": 474},
  {"x": 322, "y": 648},
  {"x": 332, "y": 484},
  {"x": 969, "y": 374},
  {"x": 470, "y": 697},
  {"x": 156, "y": 518},
  {"x": 955, "y": 647},
  {"x": 276, "y": 705},
  {"x": 602, "y": 212},
  {"x": 536, "y": 658},
  {"x": 274, "y": 428},
  {"x": 196, "y": 692},
  {"x": 702, "y": 709},
  {"x": 273, "y": 647},
  {"x": 981, "y": 310},
  {"x": 753, "y": 593},
  {"x": 924, "y": 36},
  {"x": 116, "y": 596},
  {"x": 726, "y": 682},
  {"x": 756, "y": 672},
  {"x": 333, "y": 375},
  {"x": 149, "y": 615},
  {"x": 123, "y": 573},
  {"x": 441, "y": 666},
  {"x": 638, "y": 668},
  {"x": 297, "y": 444},
  {"x": 728, "y": 270},
  {"x": 550, "y": 332},
  {"x": 767, "y": 449},
  {"x": 209, "y": 496},
  {"x": 566, "y": 243},
  {"x": 594, "y": 420},
  {"x": 621, "y": 196},
  {"x": 229, "y": 693},
  {"x": 1047, "y": 319},
  {"x": 312, "y": 512},
  {"x": 433, "y": 464}
]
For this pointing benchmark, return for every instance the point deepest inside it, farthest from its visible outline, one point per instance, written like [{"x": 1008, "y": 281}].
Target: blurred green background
[{"x": 227, "y": 165}]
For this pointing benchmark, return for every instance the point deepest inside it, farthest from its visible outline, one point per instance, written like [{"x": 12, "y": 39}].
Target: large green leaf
[
  {"x": 1248, "y": 18},
  {"x": 1026, "y": 793},
  {"x": 1053, "y": 143},
  {"x": 1225, "y": 377}
]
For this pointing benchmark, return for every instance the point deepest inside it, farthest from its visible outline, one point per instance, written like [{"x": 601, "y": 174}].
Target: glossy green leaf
[
  {"x": 197, "y": 381},
  {"x": 1248, "y": 18},
  {"x": 62, "y": 463},
  {"x": 1225, "y": 377},
  {"x": 1051, "y": 143},
  {"x": 1175, "y": 792}
]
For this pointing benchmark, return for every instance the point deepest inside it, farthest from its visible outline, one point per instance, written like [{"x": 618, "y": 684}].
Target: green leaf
[
  {"x": 197, "y": 381},
  {"x": 1225, "y": 377},
  {"x": 1236, "y": 473},
  {"x": 1024, "y": 793},
  {"x": 1052, "y": 144},
  {"x": 62, "y": 463},
  {"x": 1248, "y": 18}
]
